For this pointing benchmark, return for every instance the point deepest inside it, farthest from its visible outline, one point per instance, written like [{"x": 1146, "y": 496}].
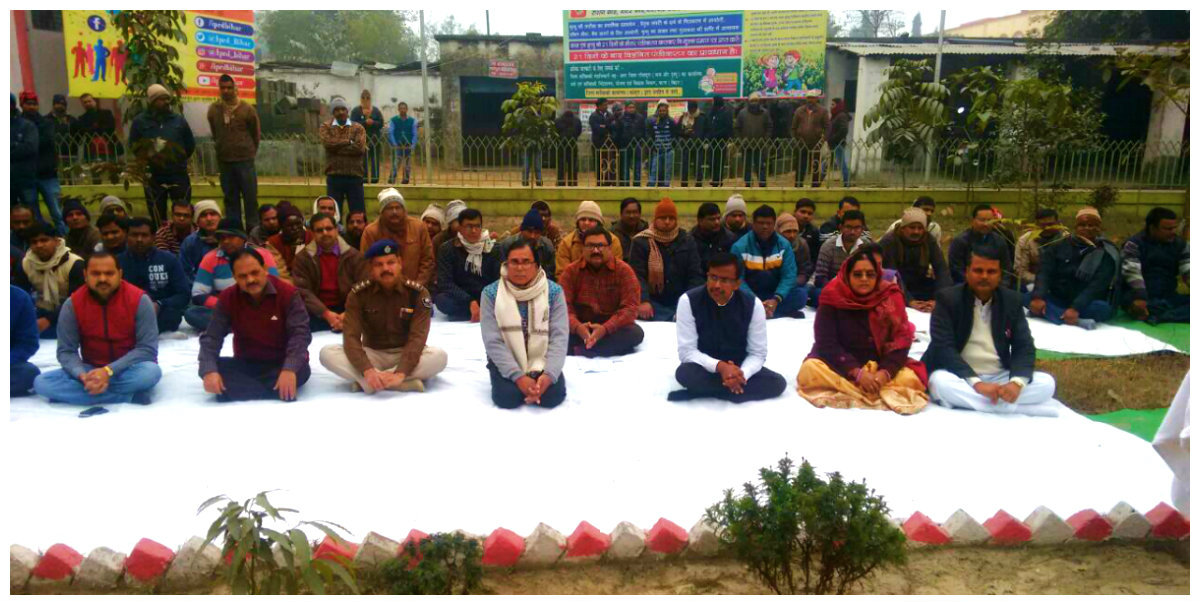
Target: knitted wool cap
[
  {"x": 666, "y": 208},
  {"x": 387, "y": 196},
  {"x": 786, "y": 222},
  {"x": 533, "y": 221},
  {"x": 913, "y": 215},
  {"x": 157, "y": 90},
  {"x": 436, "y": 212},
  {"x": 338, "y": 102},
  {"x": 1088, "y": 211},
  {"x": 735, "y": 203},
  {"x": 589, "y": 209},
  {"x": 74, "y": 205},
  {"x": 207, "y": 205},
  {"x": 111, "y": 200}
]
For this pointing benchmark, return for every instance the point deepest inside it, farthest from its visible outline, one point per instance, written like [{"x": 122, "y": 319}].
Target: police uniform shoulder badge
[{"x": 360, "y": 286}]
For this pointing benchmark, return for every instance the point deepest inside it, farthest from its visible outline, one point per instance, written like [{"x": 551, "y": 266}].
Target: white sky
[{"x": 548, "y": 21}]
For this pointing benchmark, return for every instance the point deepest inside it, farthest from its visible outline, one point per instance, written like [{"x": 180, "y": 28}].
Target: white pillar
[
  {"x": 871, "y": 75},
  {"x": 1165, "y": 134}
]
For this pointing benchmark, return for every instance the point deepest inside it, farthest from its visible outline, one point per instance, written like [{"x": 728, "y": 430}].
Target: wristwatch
[{"x": 536, "y": 374}]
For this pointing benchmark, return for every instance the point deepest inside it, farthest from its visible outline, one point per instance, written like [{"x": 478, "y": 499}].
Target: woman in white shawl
[{"x": 523, "y": 320}]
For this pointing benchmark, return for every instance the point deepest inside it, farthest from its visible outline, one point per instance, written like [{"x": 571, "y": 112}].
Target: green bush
[
  {"x": 449, "y": 564},
  {"x": 800, "y": 534},
  {"x": 1104, "y": 198}
]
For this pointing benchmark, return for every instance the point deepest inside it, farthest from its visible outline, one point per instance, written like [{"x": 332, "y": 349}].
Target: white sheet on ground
[
  {"x": 1105, "y": 340},
  {"x": 446, "y": 459}
]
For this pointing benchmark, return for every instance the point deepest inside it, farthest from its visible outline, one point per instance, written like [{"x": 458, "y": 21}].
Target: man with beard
[
  {"x": 49, "y": 272},
  {"x": 345, "y": 145},
  {"x": 1078, "y": 279},
  {"x": 1151, "y": 263},
  {"x": 164, "y": 140},
  {"x": 324, "y": 272},
  {"x": 156, "y": 272},
  {"x": 466, "y": 264},
  {"x": 292, "y": 237},
  {"x": 197, "y": 244},
  {"x": 268, "y": 224},
  {"x": 386, "y": 328},
  {"x": 82, "y": 236},
  {"x": 710, "y": 234},
  {"x": 20, "y": 221},
  {"x": 356, "y": 224},
  {"x": 666, "y": 263},
  {"x": 216, "y": 274},
  {"x": 107, "y": 342},
  {"x": 394, "y": 223},
  {"x": 805, "y": 211},
  {"x": 602, "y": 295},
  {"x": 911, "y": 251},
  {"x": 629, "y": 224},
  {"x": 172, "y": 234}
]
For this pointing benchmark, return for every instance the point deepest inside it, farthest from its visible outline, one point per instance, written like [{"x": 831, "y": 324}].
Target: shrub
[
  {"x": 801, "y": 534},
  {"x": 443, "y": 564},
  {"x": 1104, "y": 198}
]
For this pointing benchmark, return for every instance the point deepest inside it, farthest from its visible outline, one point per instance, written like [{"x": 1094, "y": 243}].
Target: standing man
[
  {"x": 691, "y": 131},
  {"x": 662, "y": 132},
  {"x": 395, "y": 224},
  {"x": 345, "y": 145},
  {"x": 718, "y": 131},
  {"x": 839, "y": 133},
  {"x": 1029, "y": 247},
  {"x": 523, "y": 320},
  {"x": 1078, "y": 279},
  {"x": 156, "y": 272},
  {"x": 982, "y": 355},
  {"x": 324, "y": 272},
  {"x": 164, "y": 139},
  {"x": 65, "y": 131},
  {"x": 569, "y": 128},
  {"x": 603, "y": 146},
  {"x": 99, "y": 130},
  {"x": 402, "y": 134},
  {"x": 22, "y": 342},
  {"x": 385, "y": 330},
  {"x": 722, "y": 336},
  {"x": 753, "y": 130},
  {"x": 1151, "y": 264},
  {"x": 82, "y": 236},
  {"x": 204, "y": 239},
  {"x": 49, "y": 272},
  {"x": 629, "y": 224},
  {"x": 770, "y": 268},
  {"x": 216, "y": 272},
  {"x": 632, "y": 132},
  {"x": 22, "y": 157},
  {"x": 171, "y": 236},
  {"x": 809, "y": 123},
  {"x": 371, "y": 119},
  {"x": 982, "y": 231},
  {"x": 711, "y": 235},
  {"x": 911, "y": 251},
  {"x": 666, "y": 262},
  {"x": 107, "y": 342},
  {"x": 602, "y": 295},
  {"x": 237, "y": 134},
  {"x": 46, "y": 182},
  {"x": 270, "y": 336},
  {"x": 465, "y": 265}
]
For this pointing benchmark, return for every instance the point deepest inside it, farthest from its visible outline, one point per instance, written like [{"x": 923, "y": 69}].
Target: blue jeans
[
  {"x": 122, "y": 387},
  {"x": 532, "y": 155},
  {"x": 793, "y": 303},
  {"x": 842, "y": 155},
  {"x": 454, "y": 309},
  {"x": 402, "y": 155},
  {"x": 631, "y": 159},
  {"x": 661, "y": 162},
  {"x": 198, "y": 317},
  {"x": 1100, "y": 311},
  {"x": 49, "y": 189},
  {"x": 20, "y": 378}
]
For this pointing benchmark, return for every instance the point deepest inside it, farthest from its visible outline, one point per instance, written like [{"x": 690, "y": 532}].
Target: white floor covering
[{"x": 615, "y": 450}]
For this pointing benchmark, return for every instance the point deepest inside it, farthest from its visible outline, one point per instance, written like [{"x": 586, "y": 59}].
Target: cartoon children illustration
[
  {"x": 793, "y": 71},
  {"x": 770, "y": 77},
  {"x": 708, "y": 82}
]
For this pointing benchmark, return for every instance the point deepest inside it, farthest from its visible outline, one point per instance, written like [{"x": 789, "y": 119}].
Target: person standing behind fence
[
  {"x": 237, "y": 134},
  {"x": 46, "y": 182},
  {"x": 98, "y": 128},
  {"x": 839, "y": 132},
  {"x": 602, "y": 144},
  {"x": 372, "y": 121},
  {"x": 633, "y": 135},
  {"x": 345, "y": 145},
  {"x": 718, "y": 132},
  {"x": 64, "y": 131},
  {"x": 164, "y": 139},
  {"x": 753, "y": 128},
  {"x": 808, "y": 128},
  {"x": 663, "y": 132},
  {"x": 569, "y": 128},
  {"x": 691, "y": 130},
  {"x": 402, "y": 135}
]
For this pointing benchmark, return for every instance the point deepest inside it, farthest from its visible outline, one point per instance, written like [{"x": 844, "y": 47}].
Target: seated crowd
[{"x": 108, "y": 292}]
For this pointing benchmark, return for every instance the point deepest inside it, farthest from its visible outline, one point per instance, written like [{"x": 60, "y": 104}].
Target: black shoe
[
  {"x": 680, "y": 395},
  {"x": 799, "y": 315},
  {"x": 141, "y": 398}
]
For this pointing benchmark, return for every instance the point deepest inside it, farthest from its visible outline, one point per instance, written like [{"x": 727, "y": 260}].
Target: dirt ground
[
  {"x": 1075, "y": 569},
  {"x": 1099, "y": 385}
]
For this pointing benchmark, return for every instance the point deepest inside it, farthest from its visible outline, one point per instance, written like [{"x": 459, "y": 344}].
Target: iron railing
[{"x": 497, "y": 161}]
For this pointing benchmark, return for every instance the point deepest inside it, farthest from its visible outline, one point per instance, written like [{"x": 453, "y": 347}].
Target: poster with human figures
[
  {"x": 217, "y": 42},
  {"x": 683, "y": 55}
]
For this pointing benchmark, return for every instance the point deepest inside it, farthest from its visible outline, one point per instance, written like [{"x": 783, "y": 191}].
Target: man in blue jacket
[
  {"x": 402, "y": 134},
  {"x": 46, "y": 182},
  {"x": 770, "y": 267},
  {"x": 157, "y": 272},
  {"x": 164, "y": 139},
  {"x": 23, "y": 342}
]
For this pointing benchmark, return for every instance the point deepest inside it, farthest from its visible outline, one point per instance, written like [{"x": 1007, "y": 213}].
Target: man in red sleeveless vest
[
  {"x": 270, "y": 336},
  {"x": 107, "y": 341}
]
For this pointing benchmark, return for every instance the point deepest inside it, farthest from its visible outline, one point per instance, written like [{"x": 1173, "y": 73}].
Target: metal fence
[{"x": 497, "y": 161}]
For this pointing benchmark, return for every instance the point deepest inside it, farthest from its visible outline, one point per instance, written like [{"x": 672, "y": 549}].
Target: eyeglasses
[
  {"x": 595, "y": 246},
  {"x": 520, "y": 263},
  {"x": 713, "y": 278}
]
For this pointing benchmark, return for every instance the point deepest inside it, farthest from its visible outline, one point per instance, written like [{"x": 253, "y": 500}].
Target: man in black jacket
[
  {"x": 982, "y": 354},
  {"x": 164, "y": 139},
  {"x": 46, "y": 182},
  {"x": 465, "y": 264},
  {"x": 603, "y": 146},
  {"x": 911, "y": 251},
  {"x": 1078, "y": 278},
  {"x": 632, "y": 134},
  {"x": 710, "y": 234},
  {"x": 718, "y": 132},
  {"x": 984, "y": 230},
  {"x": 692, "y": 127},
  {"x": 569, "y": 128}
]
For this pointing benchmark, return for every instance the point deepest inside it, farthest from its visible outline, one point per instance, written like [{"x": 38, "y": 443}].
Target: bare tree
[{"x": 877, "y": 23}]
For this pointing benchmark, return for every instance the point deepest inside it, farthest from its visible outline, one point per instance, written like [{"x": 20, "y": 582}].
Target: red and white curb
[{"x": 153, "y": 566}]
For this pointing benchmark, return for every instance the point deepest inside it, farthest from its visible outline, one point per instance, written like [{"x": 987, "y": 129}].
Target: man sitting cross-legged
[
  {"x": 22, "y": 342},
  {"x": 156, "y": 272},
  {"x": 982, "y": 355},
  {"x": 523, "y": 320},
  {"x": 107, "y": 341},
  {"x": 465, "y": 264},
  {"x": 270, "y": 335},
  {"x": 602, "y": 297},
  {"x": 1152, "y": 262},
  {"x": 722, "y": 334},
  {"x": 1078, "y": 278},
  {"x": 49, "y": 272},
  {"x": 666, "y": 262},
  {"x": 770, "y": 267},
  {"x": 324, "y": 271},
  {"x": 385, "y": 328},
  {"x": 912, "y": 251}
]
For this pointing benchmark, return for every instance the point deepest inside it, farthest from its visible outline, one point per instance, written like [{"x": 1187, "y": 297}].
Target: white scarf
[
  {"x": 529, "y": 351},
  {"x": 476, "y": 250},
  {"x": 49, "y": 276}
]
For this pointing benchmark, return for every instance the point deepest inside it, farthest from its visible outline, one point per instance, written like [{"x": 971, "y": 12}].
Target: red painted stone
[
  {"x": 921, "y": 528},
  {"x": 1089, "y": 525},
  {"x": 666, "y": 537},
  {"x": 330, "y": 549},
  {"x": 1167, "y": 522},
  {"x": 148, "y": 560},
  {"x": 503, "y": 548},
  {"x": 1005, "y": 528},
  {"x": 416, "y": 537},
  {"x": 587, "y": 541},
  {"x": 59, "y": 562}
]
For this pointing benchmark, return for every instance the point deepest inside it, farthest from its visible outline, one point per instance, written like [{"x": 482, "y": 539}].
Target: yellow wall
[{"x": 1009, "y": 26}]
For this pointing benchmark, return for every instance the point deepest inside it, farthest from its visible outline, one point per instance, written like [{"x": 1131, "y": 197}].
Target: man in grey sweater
[
  {"x": 835, "y": 250},
  {"x": 523, "y": 320}
]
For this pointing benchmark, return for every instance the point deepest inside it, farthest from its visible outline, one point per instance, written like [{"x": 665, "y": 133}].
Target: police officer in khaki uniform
[{"x": 384, "y": 329}]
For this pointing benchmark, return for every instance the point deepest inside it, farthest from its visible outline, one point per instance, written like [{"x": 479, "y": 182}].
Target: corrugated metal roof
[{"x": 1000, "y": 47}]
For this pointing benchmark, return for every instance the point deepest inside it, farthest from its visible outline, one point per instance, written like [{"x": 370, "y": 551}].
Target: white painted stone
[
  {"x": 544, "y": 546},
  {"x": 1127, "y": 522},
  {"x": 102, "y": 568},
  {"x": 1046, "y": 527},
  {"x": 628, "y": 541},
  {"x": 702, "y": 539},
  {"x": 963, "y": 529},
  {"x": 376, "y": 550},
  {"x": 194, "y": 564},
  {"x": 21, "y": 561}
]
